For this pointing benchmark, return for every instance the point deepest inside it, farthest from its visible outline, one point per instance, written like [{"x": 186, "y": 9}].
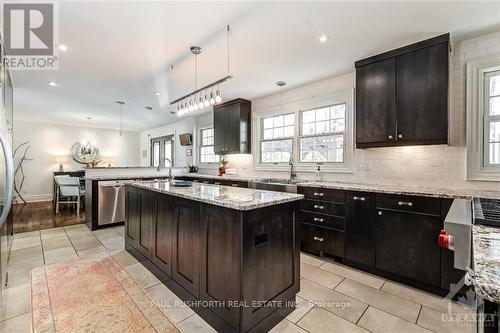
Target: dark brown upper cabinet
[
  {"x": 402, "y": 96},
  {"x": 232, "y": 127}
]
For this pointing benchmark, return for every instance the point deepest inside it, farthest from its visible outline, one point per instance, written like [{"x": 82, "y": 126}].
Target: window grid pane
[
  {"x": 207, "y": 154},
  {"x": 277, "y": 127},
  {"x": 323, "y": 131},
  {"x": 276, "y": 151},
  {"x": 276, "y": 138}
]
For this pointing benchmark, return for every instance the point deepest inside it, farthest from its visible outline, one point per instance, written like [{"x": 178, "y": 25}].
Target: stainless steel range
[{"x": 487, "y": 211}]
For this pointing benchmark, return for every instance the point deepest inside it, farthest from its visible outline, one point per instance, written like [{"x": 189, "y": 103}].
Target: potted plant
[{"x": 222, "y": 168}]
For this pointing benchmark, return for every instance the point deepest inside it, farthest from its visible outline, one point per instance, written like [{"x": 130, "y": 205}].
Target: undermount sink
[{"x": 275, "y": 184}]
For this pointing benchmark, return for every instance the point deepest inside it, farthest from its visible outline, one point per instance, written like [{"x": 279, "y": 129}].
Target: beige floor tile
[
  {"x": 196, "y": 324},
  {"x": 92, "y": 252},
  {"x": 19, "y": 324},
  {"x": 419, "y": 296},
  {"x": 114, "y": 244},
  {"x": 378, "y": 321},
  {"x": 322, "y": 321},
  {"x": 120, "y": 229},
  {"x": 60, "y": 255},
  {"x": 27, "y": 234},
  {"x": 330, "y": 300},
  {"x": 141, "y": 274},
  {"x": 286, "y": 326},
  {"x": 25, "y": 256},
  {"x": 320, "y": 276},
  {"x": 302, "y": 307},
  {"x": 85, "y": 243},
  {"x": 353, "y": 274},
  {"x": 15, "y": 301},
  {"x": 51, "y": 233},
  {"x": 56, "y": 243},
  {"x": 20, "y": 274},
  {"x": 78, "y": 231},
  {"x": 392, "y": 304},
  {"x": 124, "y": 258},
  {"x": 168, "y": 302},
  {"x": 102, "y": 234},
  {"x": 311, "y": 260},
  {"x": 22, "y": 243},
  {"x": 434, "y": 320}
]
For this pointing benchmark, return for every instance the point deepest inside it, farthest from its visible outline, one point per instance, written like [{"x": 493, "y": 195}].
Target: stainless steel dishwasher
[{"x": 111, "y": 201}]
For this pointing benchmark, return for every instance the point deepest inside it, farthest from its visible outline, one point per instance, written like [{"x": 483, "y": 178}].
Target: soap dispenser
[{"x": 318, "y": 177}]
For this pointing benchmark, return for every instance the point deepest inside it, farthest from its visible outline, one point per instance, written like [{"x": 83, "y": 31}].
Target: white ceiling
[{"x": 123, "y": 50}]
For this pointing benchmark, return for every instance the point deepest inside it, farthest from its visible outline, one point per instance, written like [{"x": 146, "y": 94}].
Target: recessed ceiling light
[
  {"x": 323, "y": 38},
  {"x": 149, "y": 108},
  {"x": 157, "y": 93},
  {"x": 88, "y": 118},
  {"x": 52, "y": 83},
  {"x": 62, "y": 47}
]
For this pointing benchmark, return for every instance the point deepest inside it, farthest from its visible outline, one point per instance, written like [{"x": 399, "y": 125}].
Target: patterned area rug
[{"x": 92, "y": 294}]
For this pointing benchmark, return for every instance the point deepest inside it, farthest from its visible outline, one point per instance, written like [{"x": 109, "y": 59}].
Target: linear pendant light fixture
[
  {"x": 206, "y": 95},
  {"x": 121, "y": 116}
]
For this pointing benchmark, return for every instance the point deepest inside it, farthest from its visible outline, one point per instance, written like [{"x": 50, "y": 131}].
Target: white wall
[
  {"x": 436, "y": 165},
  {"x": 49, "y": 141}
]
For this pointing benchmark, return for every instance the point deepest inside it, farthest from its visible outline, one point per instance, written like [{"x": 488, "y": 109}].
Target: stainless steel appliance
[
  {"x": 274, "y": 184},
  {"x": 111, "y": 198}
]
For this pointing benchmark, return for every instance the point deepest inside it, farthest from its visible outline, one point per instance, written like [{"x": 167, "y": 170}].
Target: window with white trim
[
  {"x": 276, "y": 144},
  {"x": 491, "y": 116},
  {"x": 322, "y": 134},
  {"x": 207, "y": 154}
]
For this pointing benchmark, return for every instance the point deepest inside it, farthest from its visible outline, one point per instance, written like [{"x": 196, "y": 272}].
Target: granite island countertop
[
  {"x": 486, "y": 254},
  {"x": 219, "y": 195}
]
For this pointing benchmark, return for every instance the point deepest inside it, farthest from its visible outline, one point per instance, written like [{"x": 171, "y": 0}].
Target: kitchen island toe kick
[{"x": 232, "y": 254}]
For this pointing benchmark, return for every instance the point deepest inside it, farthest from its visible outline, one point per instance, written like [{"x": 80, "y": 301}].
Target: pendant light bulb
[
  {"x": 200, "y": 104},
  {"x": 212, "y": 100},
  {"x": 195, "y": 105},
  {"x": 191, "y": 108},
  {"x": 206, "y": 102},
  {"x": 218, "y": 99}
]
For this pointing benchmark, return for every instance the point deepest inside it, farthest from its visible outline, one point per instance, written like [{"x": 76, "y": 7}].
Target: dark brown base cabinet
[
  {"x": 395, "y": 236},
  {"x": 244, "y": 264}
]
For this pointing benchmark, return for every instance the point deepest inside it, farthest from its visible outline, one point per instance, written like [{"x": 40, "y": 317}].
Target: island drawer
[
  {"x": 328, "y": 221},
  {"x": 417, "y": 204},
  {"x": 318, "y": 241},
  {"x": 323, "y": 207},
  {"x": 323, "y": 194}
]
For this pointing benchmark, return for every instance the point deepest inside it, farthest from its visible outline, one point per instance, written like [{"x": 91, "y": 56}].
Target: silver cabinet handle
[
  {"x": 234, "y": 185},
  {"x": 9, "y": 173},
  {"x": 390, "y": 137},
  {"x": 359, "y": 198},
  {"x": 379, "y": 212},
  {"x": 216, "y": 183},
  {"x": 318, "y": 194},
  {"x": 319, "y": 239},
  {"x": 400, "y": 136},
  {"x": 317, "y": 219},
  {"x": 402, "y": 203},
  {"x": 318, "y": 207}
]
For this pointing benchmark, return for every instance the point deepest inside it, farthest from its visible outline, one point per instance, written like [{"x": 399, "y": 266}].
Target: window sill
[{"x": 304, "y": 168}]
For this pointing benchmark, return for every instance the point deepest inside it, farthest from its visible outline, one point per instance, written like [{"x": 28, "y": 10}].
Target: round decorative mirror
[{"x": 85, "y": 152}]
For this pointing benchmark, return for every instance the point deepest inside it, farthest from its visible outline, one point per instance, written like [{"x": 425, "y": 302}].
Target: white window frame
[
  {"x": 200, "y": 142},
  {"x": 261, "y": 138},
  {"x": 296, "y": 107},
  {"x": 477, "y": 71},
  {"x": 488, "y": 120}
]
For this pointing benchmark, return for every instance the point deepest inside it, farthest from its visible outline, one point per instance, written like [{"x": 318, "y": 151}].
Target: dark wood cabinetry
[
  {"x": 227, "y": 257},
  {"x": 359, "y": 228},
  {"x": 216, "y": 180},
  {"x": 232, "y": 127},
  {"x": 402, "y": 96}
]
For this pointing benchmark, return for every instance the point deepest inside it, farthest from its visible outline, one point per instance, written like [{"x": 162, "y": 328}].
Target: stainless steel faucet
[
  {"x": 166, "y": 159},
  {"x": 292, "y": 171}
]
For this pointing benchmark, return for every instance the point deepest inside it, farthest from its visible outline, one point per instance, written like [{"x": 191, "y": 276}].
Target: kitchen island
[{"x": 231, "y": 253}]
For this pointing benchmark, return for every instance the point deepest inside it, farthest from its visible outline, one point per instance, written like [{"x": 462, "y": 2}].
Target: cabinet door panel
[
  {"x": 148, "y": 212},
  {"x": 376, "y": 102},
  {"x": 422, "y": 95},
  {"x": 185, "y": 244},
  {"x": 406, "y": 245},
  {"x": 133, "y": 216},
  {"x": 220, "y": 130},
  {"x": 359, "y": 233},
  {"x": 162, "y": 253}
]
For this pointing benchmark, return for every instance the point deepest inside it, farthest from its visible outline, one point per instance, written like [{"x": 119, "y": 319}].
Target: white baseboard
[{"x": 35, "y": 197}]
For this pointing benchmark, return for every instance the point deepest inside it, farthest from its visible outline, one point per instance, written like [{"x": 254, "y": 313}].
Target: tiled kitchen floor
[{"x": 333, "y": 297}]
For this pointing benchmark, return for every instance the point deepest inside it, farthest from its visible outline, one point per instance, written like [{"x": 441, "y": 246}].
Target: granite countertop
[
  {"x": 226, "y": 177},
  {"x": 136, "y": 176},
  {"x": 486, "y": 252},
  {"x": 406, "y": 190},
  {"x": 225, "y": 196}
]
